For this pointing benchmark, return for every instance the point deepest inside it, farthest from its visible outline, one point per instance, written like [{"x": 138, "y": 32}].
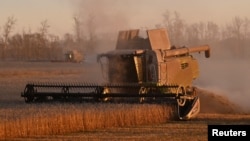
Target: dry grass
[
  {"x": 53, "y": 119},
  {"x": 194, "y": 130},
  {"x": 18, "y": 120}
]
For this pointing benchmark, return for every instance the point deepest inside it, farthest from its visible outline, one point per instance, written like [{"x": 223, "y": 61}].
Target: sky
[{"x": 139, "y": 13}]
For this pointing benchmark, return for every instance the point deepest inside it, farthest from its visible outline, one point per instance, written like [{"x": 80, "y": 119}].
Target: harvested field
[{"x": 97, "y": 121}]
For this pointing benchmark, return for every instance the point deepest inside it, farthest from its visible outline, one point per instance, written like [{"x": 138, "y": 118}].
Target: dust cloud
[
  {"x": 226, "y": 76},
  {"x": 102, "y": 18}
]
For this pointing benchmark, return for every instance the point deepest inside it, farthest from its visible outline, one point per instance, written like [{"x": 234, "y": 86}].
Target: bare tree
[
  {"x": 178, "y": 29},
  {"x": 207, "y": 32},
  {"x": 86, "y": 41},
  {"x": 78, "y": 29},
  {"x": 237, "y": 27},
  {"x": 167, "y": 23},
  {"x": 246, "y": 29},
  {"x": 42, "y": 41},
  {"x": 167, "y": 19},
  {"x": 91, "y": 27},
  {"x": 91, "y": 33},
  {"x": 175, "y": 26},
  {"x": 237, "y": 24},
  {"x": 15, "y": 46},
  {"x": 7, "y": 29},
  {"x": 68, "y": 40},
  {"x": 44, "y": 28},
  {"x": 192, "y": 33},
  {"x": 236, "y": 36},
  {"x": 212, "y": 32}
]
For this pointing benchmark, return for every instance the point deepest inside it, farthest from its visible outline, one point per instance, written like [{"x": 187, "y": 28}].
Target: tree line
[
  {"x": 232, "y": 38},
  {"x": 41, "y": 45}
]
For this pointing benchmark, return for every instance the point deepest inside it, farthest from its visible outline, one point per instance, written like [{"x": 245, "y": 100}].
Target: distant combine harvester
[{"x": 74, "y": 56}]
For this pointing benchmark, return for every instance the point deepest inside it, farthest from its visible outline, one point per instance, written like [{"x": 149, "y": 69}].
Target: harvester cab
[{"x": 140, "y": 68}]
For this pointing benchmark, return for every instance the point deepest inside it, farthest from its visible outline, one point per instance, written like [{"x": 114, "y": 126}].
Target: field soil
[{"x": 215, "y": 109}]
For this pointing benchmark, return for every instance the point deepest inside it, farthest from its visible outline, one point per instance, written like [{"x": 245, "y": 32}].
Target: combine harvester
[{"x": 143, "y": 69}]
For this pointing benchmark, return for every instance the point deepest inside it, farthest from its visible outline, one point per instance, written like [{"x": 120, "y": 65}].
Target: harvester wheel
[
  {"x": 28, "y": 92},
  {"x": 181, "y": 91}
]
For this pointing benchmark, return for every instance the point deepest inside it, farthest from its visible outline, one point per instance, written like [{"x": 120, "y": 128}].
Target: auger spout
[{"x": 187, "y": 50}]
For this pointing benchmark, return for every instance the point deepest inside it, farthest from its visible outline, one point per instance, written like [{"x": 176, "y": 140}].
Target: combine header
[{"x": 142, "y": 69}]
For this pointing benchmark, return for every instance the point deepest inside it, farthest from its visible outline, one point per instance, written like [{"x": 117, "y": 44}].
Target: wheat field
[{"x": 96, "y": 121}]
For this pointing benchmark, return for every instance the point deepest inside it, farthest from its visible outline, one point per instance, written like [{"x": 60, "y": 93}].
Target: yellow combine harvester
[{"x": 145, "y": 69}]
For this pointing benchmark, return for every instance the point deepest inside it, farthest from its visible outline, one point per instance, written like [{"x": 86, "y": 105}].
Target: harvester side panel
[
  {"x": 195, "y": 68},
  {"x": 163, "y": 73},
  {"x": 179, "y": 70}
]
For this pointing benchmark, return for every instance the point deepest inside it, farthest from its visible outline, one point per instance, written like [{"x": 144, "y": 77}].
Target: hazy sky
[{"x": 140, "y": 13}]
